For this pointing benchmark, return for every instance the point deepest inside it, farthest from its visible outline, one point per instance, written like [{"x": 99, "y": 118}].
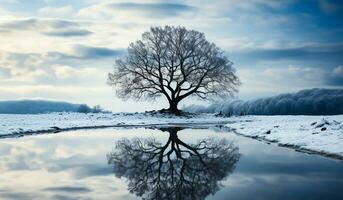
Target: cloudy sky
[{"x": 63, "y": 49}]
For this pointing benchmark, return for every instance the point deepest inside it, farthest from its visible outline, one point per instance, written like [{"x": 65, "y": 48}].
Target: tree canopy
[{"x": 175, "y": 63}]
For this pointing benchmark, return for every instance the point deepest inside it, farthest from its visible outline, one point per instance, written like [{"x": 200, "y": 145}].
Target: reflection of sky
[{"x": 73, "y": 165}]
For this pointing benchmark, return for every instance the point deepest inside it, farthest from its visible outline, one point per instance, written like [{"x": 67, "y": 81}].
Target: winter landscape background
[{"x": 154, "y": 99}]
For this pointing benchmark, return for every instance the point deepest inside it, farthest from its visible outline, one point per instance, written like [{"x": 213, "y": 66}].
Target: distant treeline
[
  {"x": 304, "y": 102},
  {"x": 43, "y": 106}
]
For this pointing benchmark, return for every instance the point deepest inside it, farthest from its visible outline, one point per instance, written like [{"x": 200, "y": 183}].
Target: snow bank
[
  {"x": 322, "y": 134},
  {"x": 16, "y": 124}
]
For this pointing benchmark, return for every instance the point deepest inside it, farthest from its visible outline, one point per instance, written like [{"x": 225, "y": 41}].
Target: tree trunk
[{"x": 173, "y": 107}]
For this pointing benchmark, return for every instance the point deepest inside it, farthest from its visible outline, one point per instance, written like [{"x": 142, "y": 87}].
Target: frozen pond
[{"x": 172, "y": 163}]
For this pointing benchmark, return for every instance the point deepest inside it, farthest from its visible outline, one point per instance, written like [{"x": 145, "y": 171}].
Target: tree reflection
[{"x": 174, "y": 170}]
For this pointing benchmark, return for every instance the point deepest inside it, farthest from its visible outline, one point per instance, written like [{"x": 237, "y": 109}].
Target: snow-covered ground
[
  {"x": 323, "y": 134},
  {"x": 17, "y": 124}
]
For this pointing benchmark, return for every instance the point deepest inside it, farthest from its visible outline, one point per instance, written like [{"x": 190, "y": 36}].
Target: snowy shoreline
[
  {"x": 18, "y": 125},
  {"x": 311, "y": 134}
]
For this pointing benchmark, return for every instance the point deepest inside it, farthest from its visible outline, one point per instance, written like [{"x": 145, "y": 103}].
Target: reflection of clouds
[
  {"x": 5, "y": 149},
  {"x": 63, "y": 197},
  {"x": 67, "y": 151},
  {"x": 63, "y": 151},
  {"x": 17, "y": 159},
  {"x": 53, "y": 156},
  {"x": 68, "y": 189},
  {"x": 21, "y": 195},
  {"x": 91, "y": 170},
  {"x": 282, "y": 166},
  {"x": 294, "y": 177},
  {"x": 31, "y": 169},
  {"x": 275, "y": 186},
  {"x": 57, "y": 167},
  {"x": 272, "y": 172}
]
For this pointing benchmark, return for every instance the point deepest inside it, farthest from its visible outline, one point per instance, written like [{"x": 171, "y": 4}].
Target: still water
[{"x": 168, "y": 163}]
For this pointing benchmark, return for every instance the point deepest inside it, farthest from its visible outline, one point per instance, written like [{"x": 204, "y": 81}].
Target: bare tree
[{"x": 176, "y": 63}]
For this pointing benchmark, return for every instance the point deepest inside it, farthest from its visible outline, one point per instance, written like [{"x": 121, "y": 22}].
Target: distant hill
[
  {"x": 36, "y": 107},
  {"x": 305, "y": 102}
]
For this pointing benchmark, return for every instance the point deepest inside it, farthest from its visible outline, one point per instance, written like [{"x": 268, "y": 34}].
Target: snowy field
[
  {"x": 21, "y": 124},
  {"x": 322, "y": 134}
]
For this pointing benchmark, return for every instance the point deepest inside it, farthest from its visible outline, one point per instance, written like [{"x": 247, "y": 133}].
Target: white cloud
[
  {"x": 274, "y": 79},
  {"x": 57, "y": 11},
  {"x": 133, "y": 11},
  {"x": 68, "y": 72},
  {"x": 298, "y": 75},
  {"x": 40, "y": 68},
  {"x": 52, "y": 27}
]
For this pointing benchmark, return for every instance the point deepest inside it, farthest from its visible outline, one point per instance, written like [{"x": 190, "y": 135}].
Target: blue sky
[{"x": 61, "y": 49}]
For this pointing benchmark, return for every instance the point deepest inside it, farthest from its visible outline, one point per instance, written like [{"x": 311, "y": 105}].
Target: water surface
[{"x": 160, "y": 164}]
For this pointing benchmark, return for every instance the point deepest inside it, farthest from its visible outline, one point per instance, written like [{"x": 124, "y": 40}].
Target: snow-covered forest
[{"x": 305, "y": 102}]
